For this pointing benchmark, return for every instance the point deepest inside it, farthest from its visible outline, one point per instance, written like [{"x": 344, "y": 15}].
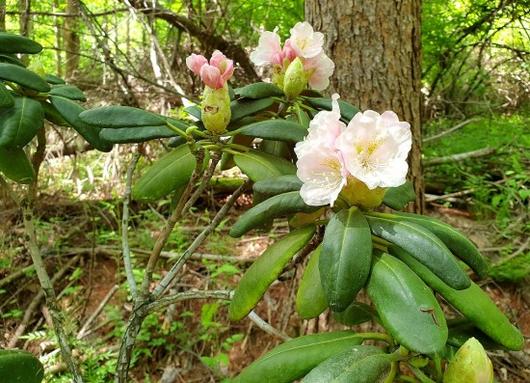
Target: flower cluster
[
  {"x": 215, "y": 105},
  {"x": 372, "y": 149},
  {"x": 215, "y": 73},
  {"x": 305, "y": 45}
]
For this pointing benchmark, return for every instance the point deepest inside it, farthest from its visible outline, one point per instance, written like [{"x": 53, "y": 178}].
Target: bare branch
[
  {"x": 459, "y": 157},
  {"x": 451, "y": 130},
  {"x": 125, "y": 226}
]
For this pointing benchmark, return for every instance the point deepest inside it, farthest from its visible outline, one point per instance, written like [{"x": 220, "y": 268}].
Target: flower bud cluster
[{"x": 300, "y": 62}]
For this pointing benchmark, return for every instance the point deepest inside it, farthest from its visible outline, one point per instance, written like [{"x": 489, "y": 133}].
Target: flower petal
[
  {"x": 268, "y": 49},
  {"x": 195, "y": 62}
]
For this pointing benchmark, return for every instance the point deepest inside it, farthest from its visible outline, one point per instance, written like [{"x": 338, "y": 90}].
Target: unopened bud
[
  {"x": 215, "y": 109},
  {"x": 470, "y": 364},
  {"x": 295, "y": 80}
]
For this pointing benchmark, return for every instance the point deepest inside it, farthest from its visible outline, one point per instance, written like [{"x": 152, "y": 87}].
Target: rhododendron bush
[{"x": 339, "y": 176}]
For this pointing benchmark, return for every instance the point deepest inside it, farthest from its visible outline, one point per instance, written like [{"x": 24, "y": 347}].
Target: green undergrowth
[{"x": 500, "y": 182}]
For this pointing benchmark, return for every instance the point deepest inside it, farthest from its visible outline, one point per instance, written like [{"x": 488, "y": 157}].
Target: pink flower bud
[
  {"x": 216, "y": 73},
  {"x": 195, "y": 63},
  {"x": 211, "y": 76},
  {"x": 288, "y": 51}
]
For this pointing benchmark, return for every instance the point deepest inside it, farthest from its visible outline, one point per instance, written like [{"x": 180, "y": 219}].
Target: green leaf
[
  {"x": 6, "y": 99},
  {"x": 399, "y": 197},
  {"x": 193, "y": 111},
  {"x": 278, "y": 185},
  {"x": 11, "y": 43},
  {"x": 68, "y": 91},
  {"x": 242, "y": 108},
  {"x": 23, "y": 76},
  {"x": 407, "y": 307},
  {"x": 310, "y": 298},
  {"x": 70, "y": 111},
  {"x": 16, "y": 166},
  {"x": 11, "y": 59},
  {"x": 346, "y": 257},
  {"x": 423, "y": 245},
  {"x": 136, "y": 134},
  {"x": 355, "y": 314},
  {"x": 52, "y": 115},
  {"x": 258, "y": 90},
  {"x": 119, "y": 116},
  {"x": 166, "y": 174},
  {"x": 52, "y": 79},
  {"x": 460, "y": 332},
  {"x": 259, "y": 166},
  {"x": 459, "y": 245},
  {"x": 361, "y": 364},
  {"x": 472, "y": 302},
  {"x": 280, "y": 205},
  {"x": 277, "y": 129},
  {"x": 347, "y": 110},
  {"x": 302, "y": 117},
  {"x": 20, "y": 366},
  {"x": 266, "y": 270},
  {"x": 20, "y": 123},
  {"x": 295, "y": 358}
]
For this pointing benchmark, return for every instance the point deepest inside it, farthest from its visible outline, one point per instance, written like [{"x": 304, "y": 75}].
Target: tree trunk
[
  {"x": 2, "y": 15},
  {"x": 58, "y": 41},
  {"x": 376, "y": 48},
  {"x": 71, "y": 39},
  {"x": 24, "y": 7}
]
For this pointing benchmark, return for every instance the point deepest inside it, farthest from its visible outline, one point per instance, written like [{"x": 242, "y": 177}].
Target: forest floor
[{"x": 194, "y": 340}]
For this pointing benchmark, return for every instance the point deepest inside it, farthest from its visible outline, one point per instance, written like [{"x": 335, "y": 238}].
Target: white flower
[
  {"x": 268, "y": 51},
  {"x": 320, "y": 68},
  {"x": 323, "y": 174},
  {"x": 305, "y": 42},
  {"x": 375, "y": 148},
  {"x": 320, "y": 165}
]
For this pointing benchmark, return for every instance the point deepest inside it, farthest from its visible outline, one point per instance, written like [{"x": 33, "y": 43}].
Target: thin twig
[
  {"x": 45, "y": 282},
  {"x": 35, "y": 303},
  {"x": 262, "y": 324},
  {"x": 170, "y": 224},
  {"x": 451, "y": 130},
  {"x": 15, "y": 275},
  {"x": 81, "y": 334},
  {"x": 191, "y": 294},
  {"x": 125, "y": 226},
  {"x": 172, "y": 273},
  {"x": 459, "y": 157},
  {"x": 49, "y": 294}
]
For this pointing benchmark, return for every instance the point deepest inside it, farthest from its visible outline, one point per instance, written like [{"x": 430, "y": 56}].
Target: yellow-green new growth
[
  {"x": 470, "y": 364},
  {"x": 215, "y": 109},
  {"x": 295, "y": 80}
]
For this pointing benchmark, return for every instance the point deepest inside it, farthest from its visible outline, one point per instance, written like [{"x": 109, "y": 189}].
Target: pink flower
[
  {"x": 320, "y": 68},
  {"x": 268, "y": 51},
  {"x": 195, "y": 63},
  {"x": 372, "y": 150},
  {"x": 214, "y": 74},
  {"x": 306, "y": 42},
  {"x": 288, "y": 53}
]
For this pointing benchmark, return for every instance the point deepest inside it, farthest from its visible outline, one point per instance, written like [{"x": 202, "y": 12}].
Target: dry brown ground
[{"x": 277, "y": 307}]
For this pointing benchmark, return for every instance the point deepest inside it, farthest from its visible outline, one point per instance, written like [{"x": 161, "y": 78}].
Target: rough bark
[{"x": 376, "y": 48}]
